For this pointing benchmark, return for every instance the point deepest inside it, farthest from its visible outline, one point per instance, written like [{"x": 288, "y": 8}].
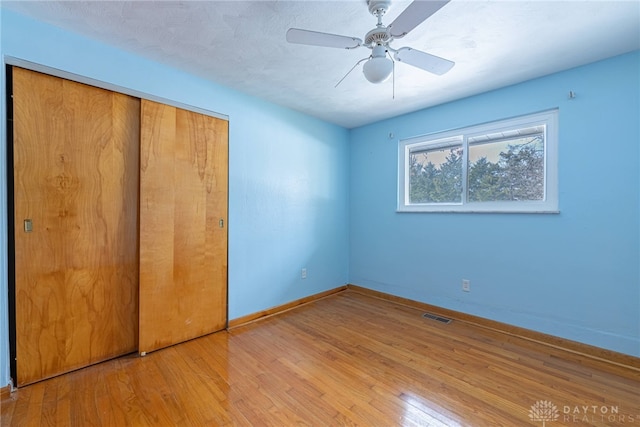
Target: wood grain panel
[
  {"x": 183, "y": 250},
  {"x": 76, "y": 157}
]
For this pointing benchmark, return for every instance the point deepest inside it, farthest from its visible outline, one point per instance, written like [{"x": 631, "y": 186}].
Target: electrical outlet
[
  {"x": 303, "y": 273},
  {"x": 466, "y": 285}
]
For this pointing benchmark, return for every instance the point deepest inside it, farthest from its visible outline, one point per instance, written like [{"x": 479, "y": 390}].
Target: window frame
[{"x": 549, "y": 204}]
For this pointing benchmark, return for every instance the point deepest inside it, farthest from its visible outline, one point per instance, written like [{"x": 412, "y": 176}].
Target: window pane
[
  {"x": 506, "y": 169},
  {"x": 435, "y": 175},
  {"x": 507, "y": 165}
]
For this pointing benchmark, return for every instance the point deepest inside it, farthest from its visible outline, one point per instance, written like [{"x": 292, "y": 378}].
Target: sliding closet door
[
  {"x": 183, "y": 234},
  {"x": 76, "y": 169}
]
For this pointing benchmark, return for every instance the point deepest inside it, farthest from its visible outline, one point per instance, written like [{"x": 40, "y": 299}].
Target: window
[{"x": 504, "y": 166}]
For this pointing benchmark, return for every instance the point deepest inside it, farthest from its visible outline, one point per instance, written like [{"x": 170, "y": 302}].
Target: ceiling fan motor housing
[{"x": 377, "y": 36}]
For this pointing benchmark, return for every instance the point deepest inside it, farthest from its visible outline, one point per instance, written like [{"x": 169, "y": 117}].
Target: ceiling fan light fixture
[{"x": 378, "y": 68}]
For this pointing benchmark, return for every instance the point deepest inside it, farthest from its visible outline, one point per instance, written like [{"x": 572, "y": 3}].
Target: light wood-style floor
[{"x": 348, "y": 359}]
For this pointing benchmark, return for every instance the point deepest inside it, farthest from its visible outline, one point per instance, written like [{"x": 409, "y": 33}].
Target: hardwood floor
[{"x": 347, "y": 359}]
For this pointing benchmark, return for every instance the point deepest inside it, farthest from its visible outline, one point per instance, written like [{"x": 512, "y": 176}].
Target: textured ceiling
[{"x": 241, "y": 44}]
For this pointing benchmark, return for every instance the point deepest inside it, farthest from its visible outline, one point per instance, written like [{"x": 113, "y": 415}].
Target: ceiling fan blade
[
  {"x": 431, "y": 63},
  {"x": 413, "y": 15},
  {"x": 314, "y": 38}
]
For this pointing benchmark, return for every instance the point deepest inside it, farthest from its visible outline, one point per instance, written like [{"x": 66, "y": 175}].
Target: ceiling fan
[{"x": 379, "y": 65}]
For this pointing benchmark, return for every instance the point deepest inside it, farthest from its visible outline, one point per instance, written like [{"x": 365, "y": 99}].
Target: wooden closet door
[
  {"x": 183, "y": 233},
  {"x": 76, "y": 167}
]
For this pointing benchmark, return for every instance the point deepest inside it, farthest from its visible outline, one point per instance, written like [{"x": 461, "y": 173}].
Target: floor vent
[{"x": 437, "y": 318}]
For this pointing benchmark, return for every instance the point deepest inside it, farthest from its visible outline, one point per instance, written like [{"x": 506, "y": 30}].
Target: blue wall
[
  {"x": 575, "y": 274},
  {"x": 288, "y": 202}
]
